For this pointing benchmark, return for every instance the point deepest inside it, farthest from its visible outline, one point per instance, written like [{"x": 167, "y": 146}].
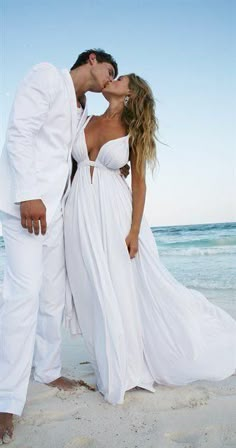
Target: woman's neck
[{"x": 114, "y": 111}]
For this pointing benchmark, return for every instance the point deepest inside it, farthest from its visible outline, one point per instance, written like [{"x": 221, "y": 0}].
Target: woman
[{"x": 140, "y": 325}]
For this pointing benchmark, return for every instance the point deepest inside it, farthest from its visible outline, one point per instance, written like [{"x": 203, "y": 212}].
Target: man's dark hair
[{"x": 101, "y": 56}]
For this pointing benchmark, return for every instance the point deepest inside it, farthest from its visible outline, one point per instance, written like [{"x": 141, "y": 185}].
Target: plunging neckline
[{"x": 104, "y": 144}]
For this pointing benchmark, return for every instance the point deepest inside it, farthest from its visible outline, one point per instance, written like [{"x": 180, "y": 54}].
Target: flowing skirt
[{"x": 139, "y": 323}]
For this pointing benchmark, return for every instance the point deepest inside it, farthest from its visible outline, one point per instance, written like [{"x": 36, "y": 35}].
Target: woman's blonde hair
[{"x": 139, "y": 118}]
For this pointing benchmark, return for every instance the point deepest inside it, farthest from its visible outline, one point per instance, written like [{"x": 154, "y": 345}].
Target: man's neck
[
  {"x": 80, "y": 80},
  {"x": 81, "y": 101}
]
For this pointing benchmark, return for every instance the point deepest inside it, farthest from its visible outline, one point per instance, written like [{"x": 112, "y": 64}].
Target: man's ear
[{"x": 92, "y": 58}]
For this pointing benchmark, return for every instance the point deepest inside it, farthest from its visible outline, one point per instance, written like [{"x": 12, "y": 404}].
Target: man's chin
[
  {"x": 96, "y": 90},
  {"x": 105, "y": 90}
]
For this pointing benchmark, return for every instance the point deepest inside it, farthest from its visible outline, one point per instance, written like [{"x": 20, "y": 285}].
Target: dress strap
[{"x": 86, "y": 121}]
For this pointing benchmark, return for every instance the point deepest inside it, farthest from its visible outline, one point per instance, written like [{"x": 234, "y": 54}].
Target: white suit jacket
[{"x": 36, "y": 159}]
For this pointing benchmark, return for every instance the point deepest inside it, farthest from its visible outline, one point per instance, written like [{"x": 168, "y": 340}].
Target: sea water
[{"x": 201, "y": 256}]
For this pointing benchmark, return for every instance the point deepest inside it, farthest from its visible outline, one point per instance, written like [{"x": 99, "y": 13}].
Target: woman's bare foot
[
  {"x": 6, "y": 427},
  {"x": 88, "y": 386},
  {"x": 64, "y": 383}
]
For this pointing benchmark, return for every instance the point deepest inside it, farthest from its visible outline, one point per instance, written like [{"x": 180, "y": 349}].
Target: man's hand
[
  {"x": 124, "y": 171},
  {"x": 33, "y": 212}
]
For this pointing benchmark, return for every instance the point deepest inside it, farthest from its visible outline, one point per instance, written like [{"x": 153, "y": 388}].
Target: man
[{"x": 35, "y": 171}]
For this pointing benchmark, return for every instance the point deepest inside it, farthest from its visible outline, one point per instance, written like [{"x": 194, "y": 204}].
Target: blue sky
[{"x": 184, "y": 49}]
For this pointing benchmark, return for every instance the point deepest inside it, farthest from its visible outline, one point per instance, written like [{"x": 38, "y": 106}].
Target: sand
[{"x": 195, "y": 416}]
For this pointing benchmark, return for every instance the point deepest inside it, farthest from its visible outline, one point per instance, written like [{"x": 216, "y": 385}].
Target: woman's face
[{"x": 118, "y": 88}]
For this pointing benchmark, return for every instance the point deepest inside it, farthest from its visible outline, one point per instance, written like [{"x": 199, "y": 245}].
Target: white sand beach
[{"x": 201, "y": 415}]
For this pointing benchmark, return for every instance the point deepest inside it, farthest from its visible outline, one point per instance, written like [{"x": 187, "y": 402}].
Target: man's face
[{"x": 102, "y": 73}]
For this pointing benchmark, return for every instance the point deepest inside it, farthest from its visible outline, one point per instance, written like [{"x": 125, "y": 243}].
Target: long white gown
[{"x": 140, "y": 325}]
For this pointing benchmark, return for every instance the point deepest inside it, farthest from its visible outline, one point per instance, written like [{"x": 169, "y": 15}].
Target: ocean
[{"x": 200, "y": 256}]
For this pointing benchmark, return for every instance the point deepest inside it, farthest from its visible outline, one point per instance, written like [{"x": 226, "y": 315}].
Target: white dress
[{"x": 140, "y": 325}]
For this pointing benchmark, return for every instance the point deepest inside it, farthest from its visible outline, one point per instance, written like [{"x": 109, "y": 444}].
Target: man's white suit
[{"x": 35, "y": 164}]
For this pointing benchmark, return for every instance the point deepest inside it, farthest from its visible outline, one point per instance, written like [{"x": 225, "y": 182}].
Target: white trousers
[{"x": 31, "y": 309}]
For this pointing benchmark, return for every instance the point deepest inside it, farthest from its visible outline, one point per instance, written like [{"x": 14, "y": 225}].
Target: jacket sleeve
[{"x": 29, "y": 112}]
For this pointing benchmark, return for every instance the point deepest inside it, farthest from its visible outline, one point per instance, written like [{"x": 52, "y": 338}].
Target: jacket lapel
[
  {"x": 72, "y": 103},
  {"x": 83, "y": 117},
  {"x": 75, "y": 126}
]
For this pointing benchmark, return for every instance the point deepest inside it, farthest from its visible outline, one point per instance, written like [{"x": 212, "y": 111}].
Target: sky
[{"x": 184, "y": 49}]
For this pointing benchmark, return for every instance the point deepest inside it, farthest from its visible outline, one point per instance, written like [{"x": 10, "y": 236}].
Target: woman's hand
[{"x": 132, "y": 244}]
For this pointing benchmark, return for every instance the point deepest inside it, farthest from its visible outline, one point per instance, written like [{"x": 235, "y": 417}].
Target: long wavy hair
[{"x": 140, "y": 120}]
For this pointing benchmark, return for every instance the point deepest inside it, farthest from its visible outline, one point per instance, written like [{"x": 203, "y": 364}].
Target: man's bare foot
[
  {"x": 64, "y": 383},
  {"x": 6, "y": 427}
]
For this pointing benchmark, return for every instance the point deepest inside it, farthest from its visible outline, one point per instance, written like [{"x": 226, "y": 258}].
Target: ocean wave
[
  {"x": 205, "y": 236},
  {"x": 197, "y": 242},
  {"x": 1, "y": 242},
  {"x": 211, "y": 284},
  {"x": 228, "y": 226},
  {"x": 193, "y": 251}
]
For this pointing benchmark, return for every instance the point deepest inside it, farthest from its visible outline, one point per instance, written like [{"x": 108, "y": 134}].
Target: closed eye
[{"x": 111, "y": 73}]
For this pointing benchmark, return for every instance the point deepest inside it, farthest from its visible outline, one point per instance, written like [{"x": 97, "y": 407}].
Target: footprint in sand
[
  {"x": 183, "y": 440},
  {"x": 229, "y": 437},
  {"x": 83, "y": 442},
  {"x": 211, "y": 436}
]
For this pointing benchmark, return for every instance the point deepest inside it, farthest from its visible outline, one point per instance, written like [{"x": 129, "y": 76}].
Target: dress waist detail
[{"x": 96, "y": 164}]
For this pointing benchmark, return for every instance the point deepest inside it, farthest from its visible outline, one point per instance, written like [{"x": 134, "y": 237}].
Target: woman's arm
[{"x": 138, "y": 201}]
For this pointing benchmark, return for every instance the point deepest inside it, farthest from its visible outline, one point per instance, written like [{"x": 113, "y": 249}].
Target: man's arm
[
  {"x": 28, "y": 114},
  {"x": 124, "y": 171}
]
